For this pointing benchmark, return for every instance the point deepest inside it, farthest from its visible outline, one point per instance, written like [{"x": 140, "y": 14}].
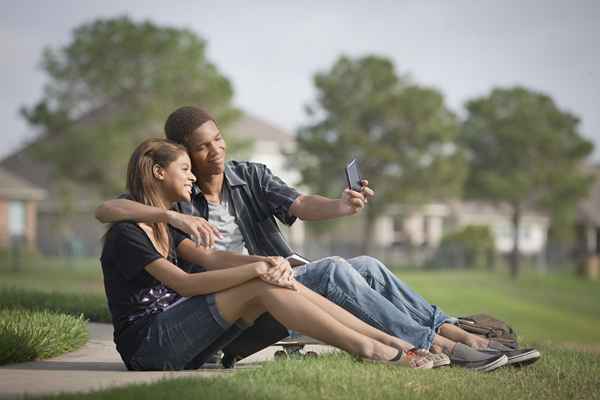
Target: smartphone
[
  {"x": 353, "y": 177},
  {"x": 296, "y": 260}
]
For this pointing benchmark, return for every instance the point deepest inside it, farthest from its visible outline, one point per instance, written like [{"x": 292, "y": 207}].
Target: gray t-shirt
[{"x": 223, "y": 218}]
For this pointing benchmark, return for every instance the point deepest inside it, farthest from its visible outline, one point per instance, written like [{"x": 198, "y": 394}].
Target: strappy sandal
[{"x": 406, "y": 359}]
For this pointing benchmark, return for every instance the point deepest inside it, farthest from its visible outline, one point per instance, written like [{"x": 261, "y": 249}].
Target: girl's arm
[
  {"x": 213, "y": 259},
  {"x": 193, "y": 284}
]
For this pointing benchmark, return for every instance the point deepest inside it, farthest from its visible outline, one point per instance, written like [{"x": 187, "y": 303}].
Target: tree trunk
[{"x": 515, "y": 257}]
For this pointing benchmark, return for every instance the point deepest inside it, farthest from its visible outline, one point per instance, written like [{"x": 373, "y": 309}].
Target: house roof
[
  {"x": 15, "y": 188},
  {"x": 252, "y": 127}
]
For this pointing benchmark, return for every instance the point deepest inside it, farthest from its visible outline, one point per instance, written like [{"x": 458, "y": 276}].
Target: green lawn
[
  {"x": 48, "y": 274},
  {"x": 559, "y": 375},
  {"x": 557, "y": 313}
]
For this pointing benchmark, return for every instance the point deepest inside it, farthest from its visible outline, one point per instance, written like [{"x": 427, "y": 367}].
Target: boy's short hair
[{"x": 183, "y": 121}]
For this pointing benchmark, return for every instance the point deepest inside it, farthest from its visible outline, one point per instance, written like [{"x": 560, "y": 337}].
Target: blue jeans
[{"x": 368, "y": 289}]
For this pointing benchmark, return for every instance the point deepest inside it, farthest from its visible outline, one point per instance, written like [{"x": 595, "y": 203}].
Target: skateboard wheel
[
  {"x": 311, "y": 354},
  {"x": 281, "y": 355}
]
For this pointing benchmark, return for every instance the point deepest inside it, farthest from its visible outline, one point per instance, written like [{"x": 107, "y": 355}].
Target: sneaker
[
  {"x": 518, "y": 357},
  {"x": 467, "y": 357},
  {"x": 439, "y": 360}
]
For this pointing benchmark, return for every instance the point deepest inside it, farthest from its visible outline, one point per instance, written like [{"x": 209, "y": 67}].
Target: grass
[
  {"x": 550, "y": 311},
  {"x": 558, "y": 308},
  {"x": 52, "y": 274},
  {"x": 66, "y": 286},
  {"x": 560, "y": 374},
  {"x": 92, "y": 307},
  {"x": 27, "y": 335}
]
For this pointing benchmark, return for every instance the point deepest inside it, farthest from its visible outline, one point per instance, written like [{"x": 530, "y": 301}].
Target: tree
[
  {"x": 112, "y": 86},
  {"x": 401, "y": 133},
  {"x": 526, "y": 152}
]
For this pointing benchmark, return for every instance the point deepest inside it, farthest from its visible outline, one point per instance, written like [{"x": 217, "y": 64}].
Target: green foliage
[
  {"x": 402, "y": 134},
  {"x": 91, "y": 306},
  {"x": 112, "y": 86},
  {"x": 524, "y": 151},
  {"x": 27, "y": 335},
  {"x": 472, "y": 247}
]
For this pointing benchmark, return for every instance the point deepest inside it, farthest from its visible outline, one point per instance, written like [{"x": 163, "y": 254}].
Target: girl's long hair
[{"x": 142, "y": 184}]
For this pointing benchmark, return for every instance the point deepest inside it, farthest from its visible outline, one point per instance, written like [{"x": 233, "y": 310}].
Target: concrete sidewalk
[{"x": 97, "y": 365}]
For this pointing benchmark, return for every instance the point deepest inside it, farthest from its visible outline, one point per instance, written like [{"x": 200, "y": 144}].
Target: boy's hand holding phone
[{"x": 357, "y": 193}]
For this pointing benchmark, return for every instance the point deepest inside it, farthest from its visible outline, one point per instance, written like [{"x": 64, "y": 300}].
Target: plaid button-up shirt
[{"x": 257, "y": 197}]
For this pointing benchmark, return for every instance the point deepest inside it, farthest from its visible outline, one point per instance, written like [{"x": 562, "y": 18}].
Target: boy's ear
[{"x": 158, "y": 172}]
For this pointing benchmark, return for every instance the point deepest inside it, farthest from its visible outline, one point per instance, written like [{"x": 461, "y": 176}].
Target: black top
[
  {"x": 134, "y": 296},
  {"x": 257, "y": 197}
]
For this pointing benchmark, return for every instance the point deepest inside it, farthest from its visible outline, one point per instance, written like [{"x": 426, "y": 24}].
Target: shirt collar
[{"x": 232, "y": 178}]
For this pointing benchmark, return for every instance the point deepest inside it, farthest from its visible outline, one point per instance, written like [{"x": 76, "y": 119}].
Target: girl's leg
[{"x": 293, "y": 310}]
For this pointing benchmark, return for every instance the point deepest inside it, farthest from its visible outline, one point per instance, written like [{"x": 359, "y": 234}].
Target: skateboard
[{"x": 294, "y": 347}]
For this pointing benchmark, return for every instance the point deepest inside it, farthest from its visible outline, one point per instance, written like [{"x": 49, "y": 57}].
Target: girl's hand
[{"x": 276, "y": 271}]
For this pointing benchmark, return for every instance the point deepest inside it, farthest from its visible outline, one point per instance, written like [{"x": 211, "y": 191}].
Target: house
[
  {"x": 412, "y": 233},
  {"x": 18, "y": 211}
]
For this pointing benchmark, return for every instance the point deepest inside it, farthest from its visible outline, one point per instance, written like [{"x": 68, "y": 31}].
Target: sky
[{"x": 270, "y": 50}]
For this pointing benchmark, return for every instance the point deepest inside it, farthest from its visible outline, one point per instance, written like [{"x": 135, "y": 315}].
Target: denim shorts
[{"x": 185, "y": 336}]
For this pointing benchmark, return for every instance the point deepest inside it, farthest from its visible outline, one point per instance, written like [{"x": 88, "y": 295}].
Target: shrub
[
  {"x": 472, "y": 246},
  {"x": 27, "y": 335}
]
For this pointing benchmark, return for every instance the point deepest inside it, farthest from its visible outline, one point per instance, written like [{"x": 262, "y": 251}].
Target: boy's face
[{"x": 206, "y": 148}]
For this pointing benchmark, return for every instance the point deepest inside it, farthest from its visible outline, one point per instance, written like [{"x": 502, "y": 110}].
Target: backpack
[{"x": 489, "y": 327}]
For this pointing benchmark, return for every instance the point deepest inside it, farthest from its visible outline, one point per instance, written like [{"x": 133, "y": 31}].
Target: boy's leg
[
  {"x": 382, "y": 280},
  {"x": 336, "y": 280}
]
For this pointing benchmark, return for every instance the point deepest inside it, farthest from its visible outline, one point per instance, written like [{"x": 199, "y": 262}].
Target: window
[{"x": 16, "y": 218}]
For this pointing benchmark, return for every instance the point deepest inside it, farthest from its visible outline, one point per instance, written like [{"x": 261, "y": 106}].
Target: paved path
[{"x": 97, "y": 365}]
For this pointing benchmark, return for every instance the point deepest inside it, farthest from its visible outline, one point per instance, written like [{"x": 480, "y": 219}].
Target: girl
[{"x": 169, "y": 318}]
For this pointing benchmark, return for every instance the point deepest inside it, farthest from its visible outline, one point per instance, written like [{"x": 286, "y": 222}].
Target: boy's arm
[
  {"x": 315, "y": 207},
  {"x": 116, "y": 210}
]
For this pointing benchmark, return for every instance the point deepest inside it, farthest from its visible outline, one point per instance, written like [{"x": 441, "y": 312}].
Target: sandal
[{"x": 407, "y": 359}]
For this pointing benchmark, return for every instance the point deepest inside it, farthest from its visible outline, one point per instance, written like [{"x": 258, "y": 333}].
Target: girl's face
[{"x": 177, "y": 179}]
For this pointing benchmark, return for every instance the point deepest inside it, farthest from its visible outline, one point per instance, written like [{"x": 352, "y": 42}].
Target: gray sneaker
[
  {"x": 467, "y": 357},
  {"x": 516, "y": 357}
]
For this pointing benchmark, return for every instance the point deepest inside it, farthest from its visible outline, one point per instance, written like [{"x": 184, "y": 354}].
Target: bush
[
  {"x": 471, "y": 247},
  {"x": 91, "y": 306},
  {"x": 27, "y": 335}
]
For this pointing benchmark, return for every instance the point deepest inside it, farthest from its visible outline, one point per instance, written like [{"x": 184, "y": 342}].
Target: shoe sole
[
  {"x": 524, "y": 359},
  {"x": 500, "y": 362},
  {"x": 440, "y": 364}
]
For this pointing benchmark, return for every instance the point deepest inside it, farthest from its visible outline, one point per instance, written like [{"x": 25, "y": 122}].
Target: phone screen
[{"x": 353, "y": 176}]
